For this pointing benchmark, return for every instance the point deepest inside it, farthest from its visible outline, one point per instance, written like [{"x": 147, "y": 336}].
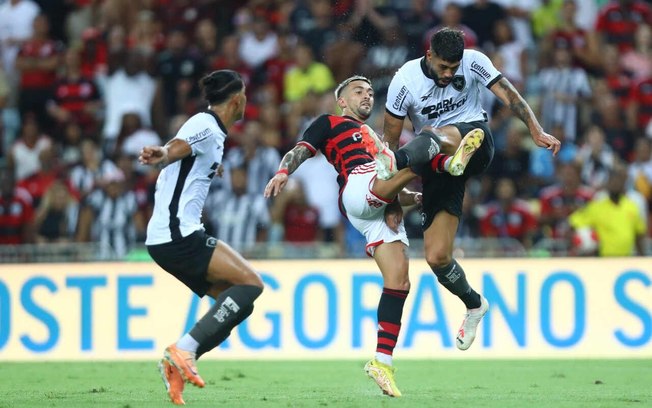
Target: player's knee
[
  {"x": 397, "y": 283},
  {"x": 438, "y": 257},
  {"x": 254, "y": 279}
]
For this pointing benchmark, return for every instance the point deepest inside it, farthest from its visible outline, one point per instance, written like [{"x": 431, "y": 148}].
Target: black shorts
[
  {"x": 443, "y": 192},
  {"x": 187, "y": 259}
]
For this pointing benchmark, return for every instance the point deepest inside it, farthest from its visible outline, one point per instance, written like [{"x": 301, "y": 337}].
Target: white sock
[
  {"x": 188, "y": 343},
  {"x": 384, "y": 358},
  {"x": 447, "y": 163}
]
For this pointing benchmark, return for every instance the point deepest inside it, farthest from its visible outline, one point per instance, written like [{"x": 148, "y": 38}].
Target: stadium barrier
[{"x": 541, "y": 308}]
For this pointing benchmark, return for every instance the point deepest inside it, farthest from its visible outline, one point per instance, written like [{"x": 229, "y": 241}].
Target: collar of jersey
[
  {"x": 217, "y": 119},
  {"x": 352, "y": 118}
]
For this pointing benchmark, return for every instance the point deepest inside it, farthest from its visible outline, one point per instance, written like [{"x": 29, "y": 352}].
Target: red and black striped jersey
[{"x": 339, "y": 139}]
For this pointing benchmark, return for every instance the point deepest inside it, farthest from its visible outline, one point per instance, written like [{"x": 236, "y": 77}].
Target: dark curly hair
[
  {"x": 448, "y": 44},
  {"x": 218, "y": 86}
]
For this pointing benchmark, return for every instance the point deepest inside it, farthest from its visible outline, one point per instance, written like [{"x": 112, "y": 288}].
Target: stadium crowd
[{"x": 84, "y": 84}]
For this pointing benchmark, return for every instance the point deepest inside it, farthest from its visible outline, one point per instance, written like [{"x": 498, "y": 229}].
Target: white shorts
[{"x": 366, "y": 211}]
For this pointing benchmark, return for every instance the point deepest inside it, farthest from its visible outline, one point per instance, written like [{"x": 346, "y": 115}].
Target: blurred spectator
[
  {"x": 185, "y": 14},
  {"x": 70, "y": 146},
  {"x": 141, "y": 181},
  {"x": 481, "y": 16},
  {"x": 243, "y": 218},
  {"x": 469, "y": 226},
  {"x": 16, "y": 211},
  {"x": 639, "y": 173},
  {"x": 513, "y": 161},
  {"x": 258, "y": 45},
  {"x": 205, "y": 39},
  {"x": 110, "y": 217},
  {"x": 368, "y": 20},
  {"x": 324, "y": 195},
  {"x": 276, "y": 67},
  {"x": 618, "y": 20},
  {"x": 94, "y": 54},
  {"x": 613, "y": 76},
  {"x": 542, "y": 165},
  {"x": 38, "y": 60},
  {"x": 639, "y": 111},
  {"x": 16, "y": 22},
  {"x": 519, "y": 17},
  {"x": 49, "y": 171},
  {"x": 383, "y": 60},
  {"x": 512, "y": 52},
  {"x": 637, "y": 61},
  {"x": 146, "y": 36},
  {"x": 343, "y": 44},
  {"x": 229, "y": 58},
  {"x": 85, "y": 15},
  {"x": 179, "y": 70},
  {"x": 75, "y": 97},
  {"x": 261, "y": 161},
  {"x": 56, "y": 11},
  {"x": 508, "y": 216},
  {"x": 320, "y": 31},
  {"x": 596, "y": 158},
  {"x": 129, "y": 88},
  {"x": 451, "y": 18},
  {"x": 561, "y": 199},
  {"x": 133, "y": 136},
  {"x": 306, "y": 76},
  {"x": 614, "y": 217},
  {"x": 581, "y": 43},
  {"x": 609, "y": 116},
  {"x": 564, "y": 88},
  {"x": 416, "y": 20},
  {"x": 292, "y": 214},
  {"x": 88, "y": 175},
  {"x": 56, "y": 216},
  {"x": 24, "y": 155},
  {"x": 546, "y": 17}
]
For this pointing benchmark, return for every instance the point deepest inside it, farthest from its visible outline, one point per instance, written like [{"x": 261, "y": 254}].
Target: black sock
[
  {"x": 453, "y": 278},
  {"x": 219, "y": 338},
  {"x": 390, "y": 310},
  {"x": 227, "y": 312},
  {"x": 419, "y": 150}
]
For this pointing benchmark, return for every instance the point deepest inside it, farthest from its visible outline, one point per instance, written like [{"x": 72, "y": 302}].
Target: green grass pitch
[{"x": 430, "y": 383}]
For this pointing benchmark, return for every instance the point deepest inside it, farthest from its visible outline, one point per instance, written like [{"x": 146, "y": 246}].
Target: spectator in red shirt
[
  {"x": 38, "y": 61},
  {"x": 618, "y": 20},
  {"x": 508, "y": 216},
  {"x": 16, "y": 211},
  {"x": 94, "y": 53},
  {"x": 300, "y": 220},
  {"x": 561, "y": 199},
  {"x": 75, "y": 97}
]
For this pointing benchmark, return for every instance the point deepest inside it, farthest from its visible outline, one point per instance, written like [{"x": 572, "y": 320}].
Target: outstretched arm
[
  {"x": 175, "y": 149},
  {"x": 506, "y": 92},
  {"x": 290, "y": 162}
]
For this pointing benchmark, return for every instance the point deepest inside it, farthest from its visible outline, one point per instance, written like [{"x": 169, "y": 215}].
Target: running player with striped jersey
[
  {"x": 441, "y": 94},
  {"x": 368, "y": 201},
  {"x": 175, "y": 235}
]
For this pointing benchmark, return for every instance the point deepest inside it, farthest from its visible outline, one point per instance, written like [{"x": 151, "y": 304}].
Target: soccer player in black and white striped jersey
[{"x": 176, "y": 239}]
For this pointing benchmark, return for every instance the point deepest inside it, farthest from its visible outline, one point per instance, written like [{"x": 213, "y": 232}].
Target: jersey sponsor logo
[
  {"x": 373, "y": 202},
  {"x": 447, "y": 105},
  {"x": 356, "y": 136},
  {"x": 458, "y": 82},
  {"x": 480, "y": 70},
  {"x": 400, "y": 97},
  {"x": 199, "y": 136},
  {"x": 426, "y": 96}
]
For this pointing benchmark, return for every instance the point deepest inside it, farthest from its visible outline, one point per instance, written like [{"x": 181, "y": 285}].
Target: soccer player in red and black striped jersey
[{"x": 368, "y": 201}]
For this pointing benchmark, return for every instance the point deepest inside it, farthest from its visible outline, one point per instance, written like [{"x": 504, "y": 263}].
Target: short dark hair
[
  {"x": 347, "y": 81},
  {"x": 448, "y": 44},
  {"x": 218, "y": 86}
]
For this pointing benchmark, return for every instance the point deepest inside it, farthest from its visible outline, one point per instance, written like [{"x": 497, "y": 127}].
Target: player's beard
[{"x": 363, "y": 112}]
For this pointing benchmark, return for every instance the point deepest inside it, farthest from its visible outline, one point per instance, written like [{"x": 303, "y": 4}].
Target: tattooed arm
[
  {"x": 506, "y": 92},
  {"x": 290, "y": 162}
]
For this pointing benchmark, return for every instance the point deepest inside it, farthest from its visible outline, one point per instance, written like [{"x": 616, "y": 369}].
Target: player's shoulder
[
  {"x": 410, "y": 69},
  {"x": 474, "y": 55}
]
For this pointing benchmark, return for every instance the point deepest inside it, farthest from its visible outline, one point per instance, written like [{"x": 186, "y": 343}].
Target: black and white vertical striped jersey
[{"x": 182, "y": 186}]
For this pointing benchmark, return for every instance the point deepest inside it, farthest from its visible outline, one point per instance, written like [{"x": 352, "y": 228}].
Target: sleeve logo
[
  {"x": 480, "y": 70},
  {"x": 400, "y": 97}
]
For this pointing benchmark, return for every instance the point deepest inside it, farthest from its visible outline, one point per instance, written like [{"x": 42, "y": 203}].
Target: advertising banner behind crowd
[{"x": 540, "y": 308}]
